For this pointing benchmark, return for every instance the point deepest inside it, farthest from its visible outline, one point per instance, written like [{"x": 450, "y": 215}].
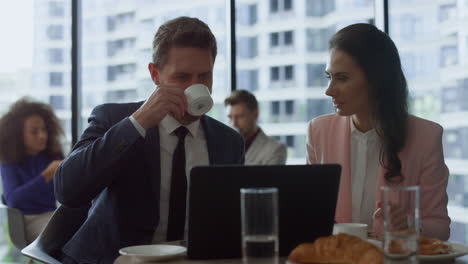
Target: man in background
[{"x": 242, "y": 110}]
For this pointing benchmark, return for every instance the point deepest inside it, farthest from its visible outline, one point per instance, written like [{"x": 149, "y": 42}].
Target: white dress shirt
[
  {"x": 196, "y": 154},
  {"x": 365, "y": 148}
]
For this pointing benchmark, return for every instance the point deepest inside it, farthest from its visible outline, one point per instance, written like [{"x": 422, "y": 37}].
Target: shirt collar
[
  {"x": 371, "y": 134},
  {"x": 169, "y": 124}
]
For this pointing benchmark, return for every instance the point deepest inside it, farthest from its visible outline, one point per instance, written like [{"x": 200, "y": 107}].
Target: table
[{"x": 184, "y": 260}]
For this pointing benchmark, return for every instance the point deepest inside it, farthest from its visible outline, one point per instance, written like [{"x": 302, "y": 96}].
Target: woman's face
[
  {"x": 347, "y": 86},
  {"x": 34, "y": 134}
]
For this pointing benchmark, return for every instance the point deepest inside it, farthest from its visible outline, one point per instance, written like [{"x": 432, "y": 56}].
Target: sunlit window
[
  {"x": 117, "y": 47},
  {"x": 35, "y": 62},
  {"x": 429, "y": 37},
  {"x": 287, "y": 72}
]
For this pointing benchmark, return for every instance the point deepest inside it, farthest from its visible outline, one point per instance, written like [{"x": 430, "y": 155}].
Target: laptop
[{"x": 307, "y": 196}]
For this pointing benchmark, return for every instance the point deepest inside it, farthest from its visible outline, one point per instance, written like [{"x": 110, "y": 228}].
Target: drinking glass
[
  {"x": 259, "y": 213},
  {"x": 400, "y": 223}
]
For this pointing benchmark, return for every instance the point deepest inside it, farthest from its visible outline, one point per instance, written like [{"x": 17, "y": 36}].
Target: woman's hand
[
  {"x": 398, "y": 218},
  {"x": 49, "y": 172}
]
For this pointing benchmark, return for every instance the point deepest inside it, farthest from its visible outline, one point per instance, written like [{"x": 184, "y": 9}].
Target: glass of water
[
  {"x": 400, "y": 223},
  {"x": 259, "y": 213}
]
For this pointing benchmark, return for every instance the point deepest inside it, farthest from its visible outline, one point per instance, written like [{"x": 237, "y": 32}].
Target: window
[
  {"x": 288, "y": 38},
  {"x": 282, "y": 73},
  {"x": 289, "y": 72},
  {"x": 411, "y": 26},
  {"x": 56, "y": 8},
  {"x": 454, "y": 98},
  {"x": 316, "y": 75},
  {"x": 289, "y": 107},
  {"x": 247, "y": 80},
  {"x": 55, "y": 32},
  {"x": 57, "y": 102},
  {"x": 447, "y": 12},
  {"x": 429, "y": 43},
  {"x": 246, "y": 14},
  {"x": 292, "y": 38},
  {"x": 252, "y": 14},
  {"x": 274, "y": 39},
  {"x": 115, "y": 55},
  {"x": 448, "y": 55},
  {"x": 317, "y": 107},
  {"x": 275, "y": 108},
  {"x": 121, "y": 96},
  {"x": 456, "y": 143},
  {"x": 120, "y": 21},
  {"x": 290, "y": 141},
  {"x": 282, "y": 42},
  {"x": 110, "y": 24},
  {"x": 120, "y": 47},
  {"x": 274, "y": 6},
  {"x": 55, "y": 79},
  {"x": 247, "y": 47},
  {"x": 280, "y": 6},
  {"x": 275, "y": 73},
  {"x": 319, "y": 8},
  {"x": 55, "y": 56},
  {"x": 121, "y": 72},
  {"x": 317, "y": 39},
  {"x": 288, "y": 4}
]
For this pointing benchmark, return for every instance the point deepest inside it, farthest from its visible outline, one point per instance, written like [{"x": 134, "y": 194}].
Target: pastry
[
  {"x": 432, "y": 246},
  {"x": 341, "y": 248},
  {"x": 427, "y": 246}
]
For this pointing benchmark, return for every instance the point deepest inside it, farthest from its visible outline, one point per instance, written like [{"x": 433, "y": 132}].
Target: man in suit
[
  {"x": 131, "y": 163},
  {"x": 242, "y": 110}
]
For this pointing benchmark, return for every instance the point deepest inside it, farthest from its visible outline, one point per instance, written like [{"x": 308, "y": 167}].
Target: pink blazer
[{"x": 328, "y": 141}]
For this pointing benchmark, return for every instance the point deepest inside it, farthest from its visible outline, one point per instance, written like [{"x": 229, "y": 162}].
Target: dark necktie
[{"x": 178, "y": 194}]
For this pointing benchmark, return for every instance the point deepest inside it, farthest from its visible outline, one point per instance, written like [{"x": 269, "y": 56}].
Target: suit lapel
[
  {"x": 152, "y": 158},
  {"x": 211, "y": 141},
  {"x": 151, "y": 155},
  {"x": 256, "y": 146},
  {"x": 342, "y": 141}
]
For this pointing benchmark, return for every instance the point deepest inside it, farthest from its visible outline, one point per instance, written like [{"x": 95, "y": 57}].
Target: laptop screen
[{"x": 307, "y": 196}]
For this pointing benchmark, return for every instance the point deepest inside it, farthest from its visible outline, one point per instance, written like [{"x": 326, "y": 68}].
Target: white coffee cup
[
  {"x": 198, "y": 99},
  {"x": 355, "y": 229}
]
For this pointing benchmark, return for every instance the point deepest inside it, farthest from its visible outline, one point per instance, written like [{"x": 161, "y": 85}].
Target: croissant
[
  {"x": 427, "y": 246},
  {"x": 341, "y": 248},
  {"x": 432, "y": 246}
]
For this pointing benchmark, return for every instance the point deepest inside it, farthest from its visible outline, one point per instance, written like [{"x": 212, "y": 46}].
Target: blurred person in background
[
  {"x": 30, "y": 152},
  {"x": 242, "y": 112}
]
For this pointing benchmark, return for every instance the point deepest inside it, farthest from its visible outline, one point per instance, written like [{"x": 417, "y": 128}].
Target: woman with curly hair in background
[{"x": 30, "y": 152}]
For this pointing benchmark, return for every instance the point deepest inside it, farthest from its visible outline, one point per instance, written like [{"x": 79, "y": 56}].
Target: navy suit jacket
[{"x": 116, "y": 172}]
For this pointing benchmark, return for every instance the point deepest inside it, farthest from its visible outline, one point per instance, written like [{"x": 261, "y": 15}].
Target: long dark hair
[
  {"x": 12, "y": 149},
  {"x": 377, "y": 55}
]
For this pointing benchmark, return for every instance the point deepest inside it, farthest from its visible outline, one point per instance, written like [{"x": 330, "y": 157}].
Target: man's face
[
  {"x": 243, "y": 119},
  {"x": 184, "y": 67}
]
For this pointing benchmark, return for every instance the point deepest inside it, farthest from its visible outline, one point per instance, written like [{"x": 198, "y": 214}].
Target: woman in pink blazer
[{"x": 372, "y": 135}]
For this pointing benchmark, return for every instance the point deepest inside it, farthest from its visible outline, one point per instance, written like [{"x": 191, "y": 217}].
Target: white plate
[
  {"x": 153, "y": 252},
  {"x": 456, "y": 250}
]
